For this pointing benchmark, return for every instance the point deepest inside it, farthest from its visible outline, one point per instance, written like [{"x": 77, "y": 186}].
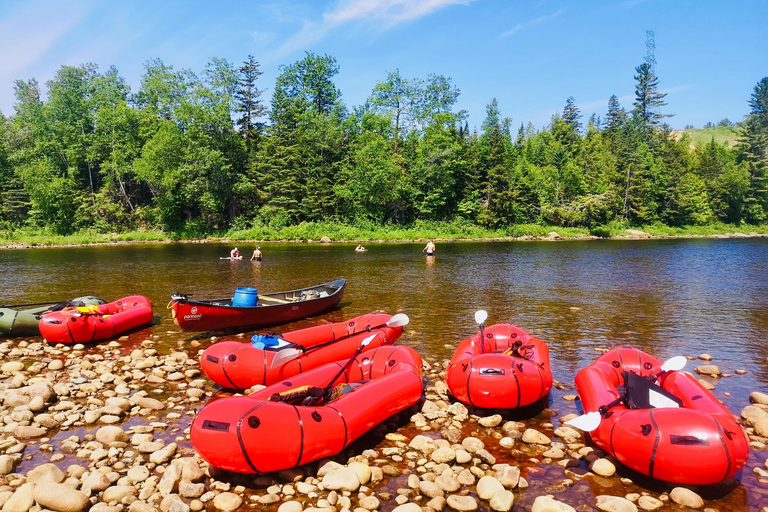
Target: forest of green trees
[{"x": 203, "y": 153}]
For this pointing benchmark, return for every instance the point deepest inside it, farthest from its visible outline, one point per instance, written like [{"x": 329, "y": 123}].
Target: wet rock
[
  {"x": 449, "y": 483},
  {"x": 368, "y": 503},
  {"x": 291, "y": 506},
  {"x": 533, "y": 436},
  {"x": 327, "y": 468},
  {"x": 22, "y": 500},
  {"x": 487, "y": 486},
  {"x": 7, "y": 463},
  {"x": 568, "y": 434},
  {"x": 761, "y": 426},
  {"x": 342, "y": 479},
  {"x": 150, "y": 403},
  {"x": 452, "y": 434},
  {"x": 462, "y": 503},
  {"x": 268, "y": 499},
  {"x": 443, "y": 455},
  {"x": 12, "y": 367},
  {"x": 705, "y": 357},
  {"x": 423, "y": 444},
  {"x": 603, "y": 467},
  {"x": 502, "y": 501},
  {"x": 172, "y": 503},
  {"x": 549, "y": 504},
  {"x": 110, "y": 434},
  {"x": 28, "y": 432},
  {"x": 757, "y": 397},
  {"x": 615, "y": 504},
  {"x": 118, "y": 492},
  {"x": 649, "y": 503},
  {"x": 490, "y": 421},
  {"x": 459, "y": 411},
  {"x": 96, "y": 481},
  {"x": 686, "y": 497},
  {"x": 190, "y": 469},
  {"x": 430, "y": 489},
  {"x": 709, "y": 369},
  {"x": 750, "y": 414},
  {"x": 59, "y": 497},
  {"x": 191, "y": 490},
  {"x": 46, "y": 473},
  {"x": 137, "y": 474},
  {"x": 507, "y": 475},
  {"x": 472, "y": 444},
  {"x": 227, "y": 501},
  {"x": 436, "y": 503},
  {"x": 161, "y": 456}
]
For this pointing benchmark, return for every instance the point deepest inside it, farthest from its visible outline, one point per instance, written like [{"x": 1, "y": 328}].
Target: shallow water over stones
[{"x": 667, "y": 297}]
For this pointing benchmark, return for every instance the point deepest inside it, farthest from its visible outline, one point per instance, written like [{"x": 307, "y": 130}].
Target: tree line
[{"x": 201, "y": 153}]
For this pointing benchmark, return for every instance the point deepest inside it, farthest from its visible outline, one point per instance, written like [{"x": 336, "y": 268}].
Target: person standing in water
[
  {"x": 429, "y": 249},
  {"x": 257, "y": 256}
]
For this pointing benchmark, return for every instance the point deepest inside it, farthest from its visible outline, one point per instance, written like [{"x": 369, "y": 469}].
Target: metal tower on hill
[{"x": 650, "y": 50}]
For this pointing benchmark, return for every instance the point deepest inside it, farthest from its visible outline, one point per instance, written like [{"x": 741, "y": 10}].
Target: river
[{"x": 668, "y": 297}]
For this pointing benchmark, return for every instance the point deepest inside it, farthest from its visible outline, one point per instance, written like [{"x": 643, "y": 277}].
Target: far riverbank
[{"x": 420, "y": 232}]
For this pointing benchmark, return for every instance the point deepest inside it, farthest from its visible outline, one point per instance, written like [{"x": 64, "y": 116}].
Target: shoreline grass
[{"x": 420, "y": 231}]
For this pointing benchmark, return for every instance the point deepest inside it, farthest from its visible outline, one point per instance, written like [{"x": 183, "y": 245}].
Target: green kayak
[{"x": 25, "y": 322}]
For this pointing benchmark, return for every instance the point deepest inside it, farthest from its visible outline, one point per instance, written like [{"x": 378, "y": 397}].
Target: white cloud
[
  {"x": 385, "y": 13},
  {"x": 393, "y": 11},
  {"x": 537, "y": 21},
  {"x": 30, "y": 32}
]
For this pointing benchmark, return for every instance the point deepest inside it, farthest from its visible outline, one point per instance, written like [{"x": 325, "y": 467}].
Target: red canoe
[
  {"x": 96, "y": 323},
  {"x": 697, "y": 443},
  {"x": 508, "y": 368},
  {"x": 268, "y": 309},
  {"x": 258, "y": 434},
  {"x": 237, "y": 365}
]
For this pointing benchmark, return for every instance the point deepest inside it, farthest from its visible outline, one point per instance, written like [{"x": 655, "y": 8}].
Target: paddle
[
  {"x": 289, "y": 354},
  {"x": 590, "y": 421},
  {"x": 481, "y": 316},
  {"x": 364, "y": 344}
]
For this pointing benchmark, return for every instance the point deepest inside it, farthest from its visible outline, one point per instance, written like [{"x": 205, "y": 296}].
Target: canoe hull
[{"x": 271, "y": 310}]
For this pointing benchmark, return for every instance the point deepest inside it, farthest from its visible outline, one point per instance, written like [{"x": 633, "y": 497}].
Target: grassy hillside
[{"x": 699, "y": 137}]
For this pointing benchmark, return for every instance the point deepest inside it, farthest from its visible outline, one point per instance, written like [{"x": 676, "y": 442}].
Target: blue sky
[{"x": 530, "y": 55}]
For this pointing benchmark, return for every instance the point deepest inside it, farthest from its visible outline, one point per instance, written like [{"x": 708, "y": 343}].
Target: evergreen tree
[
  {"x": 616, "y": 114},
  {"x": 571, "y": 114},
  {"x": 249, "y": 103},
  {"x": 753, "y": 145},
  {"x": 648, "y": 100}
]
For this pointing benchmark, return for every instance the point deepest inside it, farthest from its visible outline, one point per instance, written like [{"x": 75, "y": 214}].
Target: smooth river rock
[
  {"x": 550, "y": 504},
  {"x": 227, "y": 501},
  {"x": 686, "y": 497},
  {"x": 615, "y": 504},
  {"x": 533, "y": 436},
  {"x": 60, "y": 497},
  {"x": 487, "y": 486},
  {"x": 342, "y": 479},
  {"x": 461, "y": 503}
]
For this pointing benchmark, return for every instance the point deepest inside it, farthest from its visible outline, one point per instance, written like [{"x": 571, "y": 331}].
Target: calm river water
[{"x": 668, "y": 297}]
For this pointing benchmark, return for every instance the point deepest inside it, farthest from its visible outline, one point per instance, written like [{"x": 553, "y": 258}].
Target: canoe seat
[{"x": 274, "y": 299}]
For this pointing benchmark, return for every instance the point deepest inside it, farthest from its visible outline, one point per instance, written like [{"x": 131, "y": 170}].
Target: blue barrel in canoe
[{"x": 245, "y": 297}]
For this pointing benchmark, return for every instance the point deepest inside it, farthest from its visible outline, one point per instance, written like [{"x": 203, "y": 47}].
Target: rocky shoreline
[{"x": 106, "y": 429}]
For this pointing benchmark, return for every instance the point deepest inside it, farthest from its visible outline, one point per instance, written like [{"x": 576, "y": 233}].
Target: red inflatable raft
[
  {"x": 687, "y": 437},
  {"x": 95, "y": 323},
  {"x": 237, "y": 365},
  {"x": 507, "y": 368},
  {"x": 287, "y": 424}
]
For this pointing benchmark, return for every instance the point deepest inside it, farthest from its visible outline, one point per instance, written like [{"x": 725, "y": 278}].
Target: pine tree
[
  {"x": 648, "y": 100},
  {"x": 616, "y": 114},
  {"x": 248, "y": 102},
  {"x": 753, "y": 142},
  {"x": 571, "y": 114}
]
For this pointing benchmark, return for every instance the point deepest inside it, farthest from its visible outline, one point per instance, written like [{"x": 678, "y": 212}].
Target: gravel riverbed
[{"x": 106, "y": 428}]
